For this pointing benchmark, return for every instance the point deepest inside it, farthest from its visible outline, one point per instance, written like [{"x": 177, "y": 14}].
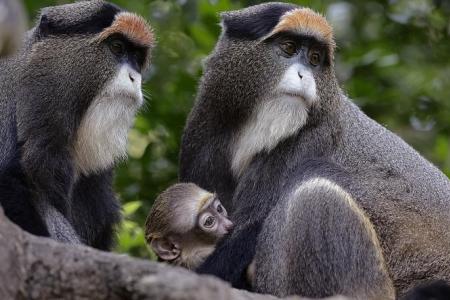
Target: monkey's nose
[
  {"x": 229, "y": 226},
  {"x": 300, "y": 75}
]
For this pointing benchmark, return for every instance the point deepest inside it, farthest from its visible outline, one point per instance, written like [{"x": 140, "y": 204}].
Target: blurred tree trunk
[{"x": 12, "y": 26}]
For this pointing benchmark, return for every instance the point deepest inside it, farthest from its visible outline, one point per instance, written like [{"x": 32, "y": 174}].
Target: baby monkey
[{"x": 184, "y": 225}]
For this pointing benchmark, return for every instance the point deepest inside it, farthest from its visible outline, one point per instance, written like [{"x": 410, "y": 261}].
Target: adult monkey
[
  {"x": 67, "y": 100},
  {"x": 341, "y": 205}
]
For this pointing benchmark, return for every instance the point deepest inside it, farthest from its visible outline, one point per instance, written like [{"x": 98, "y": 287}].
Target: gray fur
[
  {"x": 58, "y": 226},
  {"x": 405, "y": 197},
  {"x": 316, "y": 212}
]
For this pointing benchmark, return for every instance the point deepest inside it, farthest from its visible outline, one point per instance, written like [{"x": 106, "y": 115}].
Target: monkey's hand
[
  {"x": 58, "y": 226},
  {"x": 232, "y": 257}
]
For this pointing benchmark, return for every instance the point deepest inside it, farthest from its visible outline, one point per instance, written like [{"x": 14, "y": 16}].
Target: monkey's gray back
[{"x": 388, "y": 168}]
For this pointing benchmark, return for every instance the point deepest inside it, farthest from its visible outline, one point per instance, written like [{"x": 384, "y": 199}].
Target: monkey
[
  {"x": 184, "y": 225},
  {"x": 12, "y": 26},
  {"x": 67, "y": 100},
  {"x": 324, "y": 199}
]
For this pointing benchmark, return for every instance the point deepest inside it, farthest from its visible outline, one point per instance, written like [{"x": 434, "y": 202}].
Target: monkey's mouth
[
  {"x": 297, "y": 96},
  {"x": 294, "y": 94},
  {"x": 129, "y": 98}
]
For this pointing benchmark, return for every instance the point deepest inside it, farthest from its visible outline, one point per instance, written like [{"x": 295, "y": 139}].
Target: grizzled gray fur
[{"x": 342, "y": 206}]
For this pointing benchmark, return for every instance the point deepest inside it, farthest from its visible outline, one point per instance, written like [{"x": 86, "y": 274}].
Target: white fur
[
  {"x": 102, "y": 136},
  {"x": 275, "y": 118},
  {"x": 292, "y": 84},
  {"x": 318, "y": 183}
]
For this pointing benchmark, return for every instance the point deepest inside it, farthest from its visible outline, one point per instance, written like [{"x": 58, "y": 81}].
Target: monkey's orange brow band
[
  {"x": 306, "y": 21},
  {"x": 133, "y": 27}
]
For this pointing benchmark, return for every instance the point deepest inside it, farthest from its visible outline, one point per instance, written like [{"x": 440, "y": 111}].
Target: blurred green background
[{"x": 393, "y": 59}]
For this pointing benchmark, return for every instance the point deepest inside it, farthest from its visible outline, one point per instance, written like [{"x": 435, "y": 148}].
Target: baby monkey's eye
[
  {"x": 219, "y": 209},
  {"x": 314, "y": 58},
  {"x": 289, "y": 47},
  {"x": 117, "y": 47},
  {"x": 209, "y": 222}
]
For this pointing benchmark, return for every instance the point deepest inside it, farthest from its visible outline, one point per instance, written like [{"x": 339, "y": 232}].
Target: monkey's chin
[
  {"x": 296, "y": 96},
  {"x": 129, "y": 98},
  {"x": 293, "y": 95}
]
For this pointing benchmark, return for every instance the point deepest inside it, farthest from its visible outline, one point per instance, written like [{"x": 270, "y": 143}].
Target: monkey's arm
[
  {"x": 206, "y": 164},
  {"x": 232, "y": 257},
  {"x": 96, "y": 210},
  {"x": 49, "y": 172},
  {"x": 51, "y": 181}
]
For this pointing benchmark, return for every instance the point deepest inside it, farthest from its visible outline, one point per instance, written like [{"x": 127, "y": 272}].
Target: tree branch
[{"x": 40, "y": 268}]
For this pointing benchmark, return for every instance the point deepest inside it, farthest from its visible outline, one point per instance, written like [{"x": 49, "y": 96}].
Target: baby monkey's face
[
  {"x": 185, "y": 224},
  {"x": 212, "y": 218}
]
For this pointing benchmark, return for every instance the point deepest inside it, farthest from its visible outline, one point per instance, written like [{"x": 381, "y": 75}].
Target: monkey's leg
[{"x": 317, "y": 242}]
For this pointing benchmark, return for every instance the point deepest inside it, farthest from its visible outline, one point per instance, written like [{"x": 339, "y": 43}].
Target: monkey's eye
[
  {"x": 117, "y": 47},
  {"x": 289, "y": 47},
  {"x": 221, "y": 210},
  {"x": 314, "y": 58},
  {"x": 209, "y": 222}
]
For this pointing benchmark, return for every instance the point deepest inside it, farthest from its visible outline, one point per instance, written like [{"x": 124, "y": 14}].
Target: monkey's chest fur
[{"x": 272, "y": 121}]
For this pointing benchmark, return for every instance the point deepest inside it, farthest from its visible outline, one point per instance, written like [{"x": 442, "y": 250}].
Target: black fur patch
[
  {"x": 16, "y": 199},
  {"x": 94, "y": 24},
  {"x": 434, "y": 290},
  {"x": 250, "y": 26}
]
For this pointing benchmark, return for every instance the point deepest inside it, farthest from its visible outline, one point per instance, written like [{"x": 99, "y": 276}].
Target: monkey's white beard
[
  {"x": 102, "y": 135},
  {"x": 272, "y": 121},
  {"x": 276, "y": 118}
]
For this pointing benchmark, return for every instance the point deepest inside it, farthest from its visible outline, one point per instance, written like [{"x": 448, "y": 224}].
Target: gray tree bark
[{"x": 39, "y": 268}]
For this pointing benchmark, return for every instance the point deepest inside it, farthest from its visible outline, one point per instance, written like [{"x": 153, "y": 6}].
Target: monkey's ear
[
  {"x": 165, "y": 249},
  {"x": 253, "y": 23}
]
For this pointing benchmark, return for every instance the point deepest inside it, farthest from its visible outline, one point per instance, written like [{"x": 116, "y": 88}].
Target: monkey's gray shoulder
[{"x": 387, "y": 165}]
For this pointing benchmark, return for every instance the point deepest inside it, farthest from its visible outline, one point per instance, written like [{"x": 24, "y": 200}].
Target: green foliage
[
  {"x": 131, "y": 235},
  {"x": 393, "y": 59}
]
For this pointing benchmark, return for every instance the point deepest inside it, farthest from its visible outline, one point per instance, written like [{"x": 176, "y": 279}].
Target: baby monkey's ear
[{"x": 165, "y": 249}]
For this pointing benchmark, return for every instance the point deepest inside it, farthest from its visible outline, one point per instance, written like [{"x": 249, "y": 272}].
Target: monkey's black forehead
[
  {"x": 92, "y": 23},
  {"x": 252, "y": 25}
]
